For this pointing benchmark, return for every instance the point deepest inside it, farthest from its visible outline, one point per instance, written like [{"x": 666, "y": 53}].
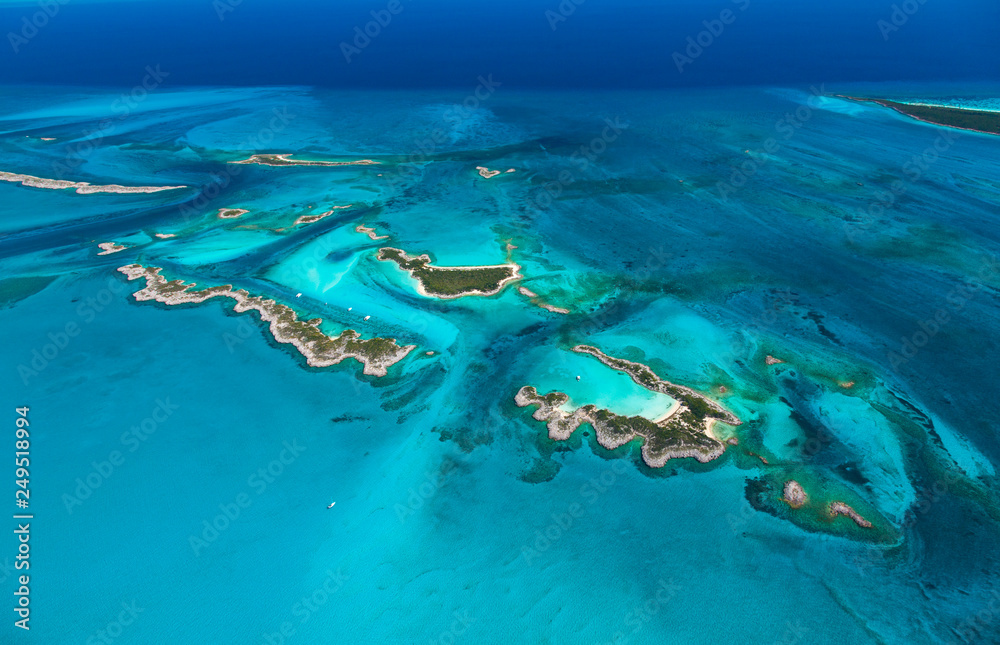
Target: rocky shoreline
[
  {"x": 645, "y": 377},
  {"x": 677, "y": 435},
  {"x": 370, "y": 232},
  {"x": 107, "y": 248},
  {"x": 320, "y": 350},
  {"x": 794, "y": 495},
  {"x": 840, "y": 508},
  {"x": 614, "y": 430}
]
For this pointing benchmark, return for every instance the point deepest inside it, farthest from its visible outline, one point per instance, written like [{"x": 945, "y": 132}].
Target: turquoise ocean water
[{"x": 675, "y": 235}]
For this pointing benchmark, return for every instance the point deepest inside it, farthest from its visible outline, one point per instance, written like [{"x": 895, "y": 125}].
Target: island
[
  {"x": 370, "y": 232},
  {"x": 107, "y": 248},
  {"x": 231, "y": 213},
  {"x": 486, "y": 173},
  {"x": 794, "y": 495},
  {"x": 166, "y": 236},
  {"x": 320, "y": 350},
  {"x": 982, "y": 121},
  {"x": 286, "y": 160},
  {"x": 309, "y": 219},
  {"x": 452, "y": 282},
  {"x": 684, "y": 431},
  {"x": 82, "y": 187},
  {"x": 840, "y": 508}
]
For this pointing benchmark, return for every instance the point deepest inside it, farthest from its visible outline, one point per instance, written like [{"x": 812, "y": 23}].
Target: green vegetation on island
[
  {"x": 452, "y": 282},
  {"x": 953, "y": 117},
  {"x": 685, "y": 432},
  {"x": 320, "y": 350}
]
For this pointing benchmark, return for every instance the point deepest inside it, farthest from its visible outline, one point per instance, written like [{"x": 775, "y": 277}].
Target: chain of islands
[{"x": 320, "y": 350}]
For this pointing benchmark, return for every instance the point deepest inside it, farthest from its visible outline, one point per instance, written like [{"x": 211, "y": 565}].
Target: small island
[
  {"x": 231, "y": 213},
  {"x": 309, "y": 219},
  {"x": 685, "y": 431},
  {"x": 107, "y": 248},
  {"x": 486, "y": 173},
  {"x": 286, "y": 160},
  {"x": 320, "y": 350},
  {"x": 794, "y": 495},
  {"x": 982, "y": 121},
  {"x": 452, "y": 282},
  {"x": 82, "y": 187},
  {"x": 840, "y": 508},
  {"x": 370, "y": 232}
]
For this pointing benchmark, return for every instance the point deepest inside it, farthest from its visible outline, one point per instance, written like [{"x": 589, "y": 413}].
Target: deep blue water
[{"x": 601, "y": 44}]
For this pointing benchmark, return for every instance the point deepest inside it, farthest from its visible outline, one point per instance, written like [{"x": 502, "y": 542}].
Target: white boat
[{"x": 331, "y": 505}]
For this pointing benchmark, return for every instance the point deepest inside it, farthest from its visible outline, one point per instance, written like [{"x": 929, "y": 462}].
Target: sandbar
[
  {"x": 286, "y": 160},
  {"x": 82, "y": 187}
]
